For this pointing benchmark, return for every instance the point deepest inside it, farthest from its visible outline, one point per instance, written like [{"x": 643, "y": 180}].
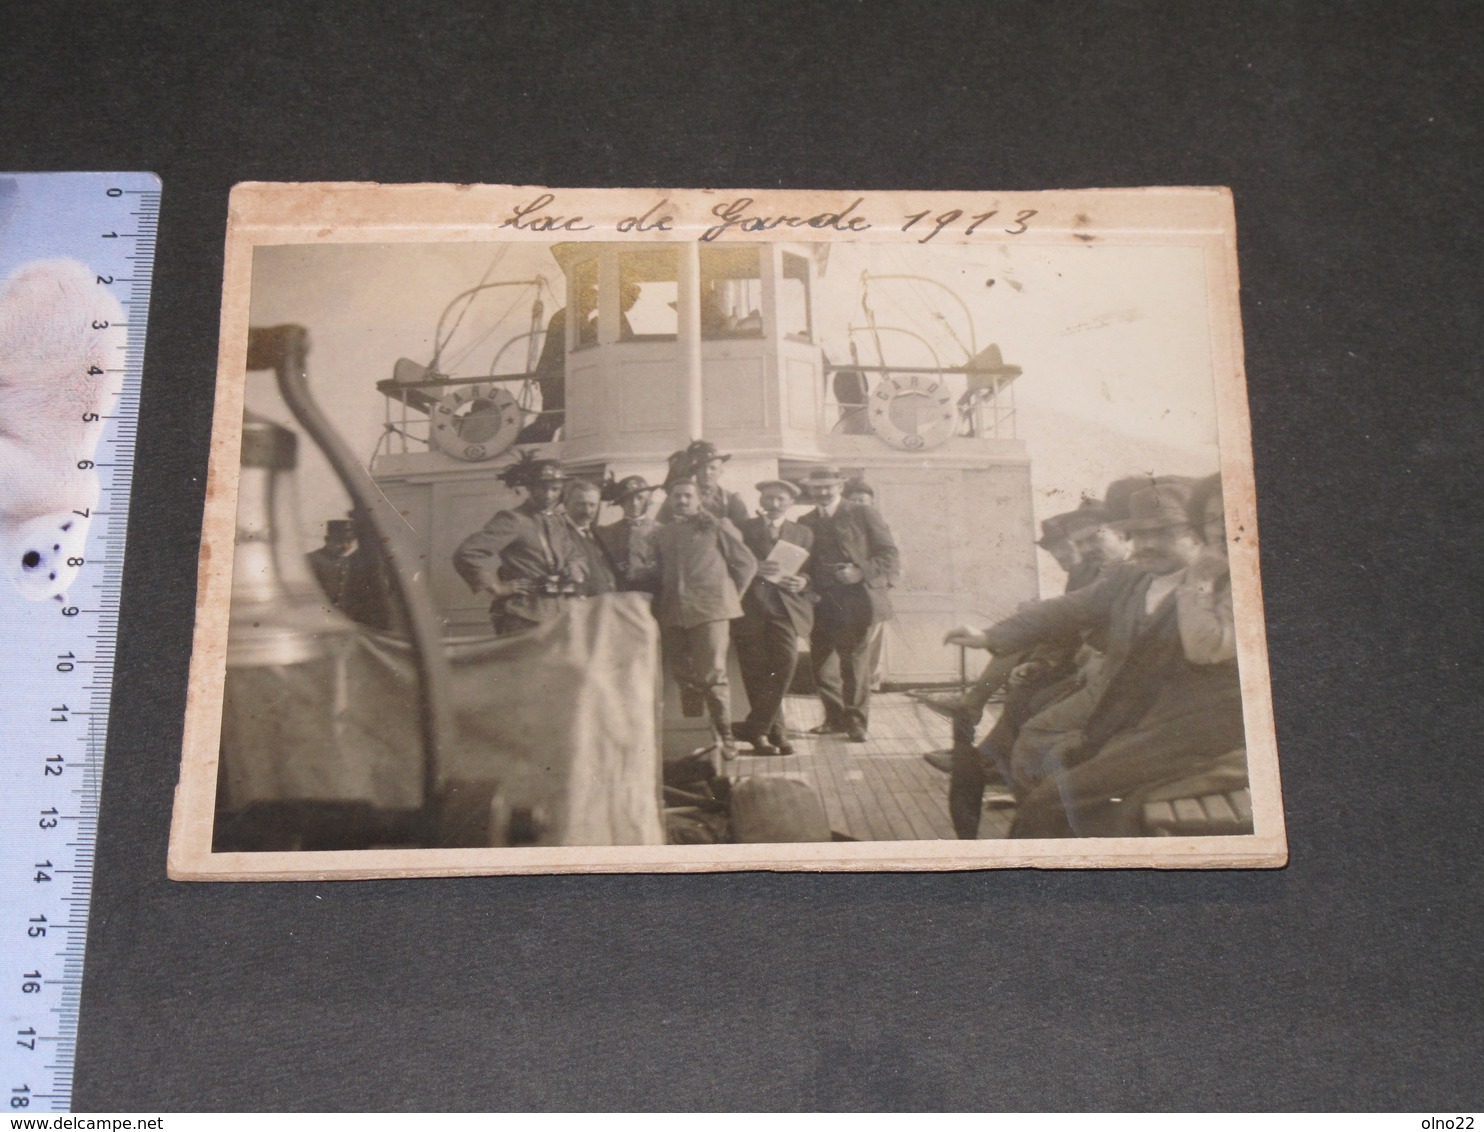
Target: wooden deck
[{"x": 882, "y": 789}]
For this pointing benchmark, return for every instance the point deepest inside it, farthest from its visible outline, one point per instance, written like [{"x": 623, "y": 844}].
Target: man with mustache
[
  {"x": 1132, "y": 609},
  {"x": 776, "y": 611}
]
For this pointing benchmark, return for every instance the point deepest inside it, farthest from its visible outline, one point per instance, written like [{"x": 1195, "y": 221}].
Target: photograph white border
[{"x": 269, "y": 214}]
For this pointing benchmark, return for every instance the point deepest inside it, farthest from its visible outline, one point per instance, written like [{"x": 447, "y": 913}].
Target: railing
[{"x": 986, "y": 411}]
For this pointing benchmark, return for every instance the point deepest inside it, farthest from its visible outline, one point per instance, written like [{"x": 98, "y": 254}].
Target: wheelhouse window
[
  {"x": 583, "y": 330},
  {"x": 794, "y": 315},
  {"x": 731, "y": 293},
  {"x": 647, "y": 295}
]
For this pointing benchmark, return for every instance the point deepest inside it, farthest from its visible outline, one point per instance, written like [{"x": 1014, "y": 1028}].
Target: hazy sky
[{"x": 1113, "y": 341}]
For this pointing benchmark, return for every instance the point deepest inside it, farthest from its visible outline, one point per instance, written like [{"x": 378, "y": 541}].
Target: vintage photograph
[{"x": 638, "y": 530}]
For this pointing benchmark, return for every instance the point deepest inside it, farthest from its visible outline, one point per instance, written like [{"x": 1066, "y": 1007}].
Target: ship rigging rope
[
  {"x": 439, "y": 341},
  {"x": 914, "y": 282},
  {"x": 493, "y": 326}
]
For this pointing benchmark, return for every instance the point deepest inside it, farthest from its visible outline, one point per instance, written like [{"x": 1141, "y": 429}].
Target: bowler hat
[
  {"x": 859, "y": 486},
  {"x": 784, "y": 485},
  {"x": 339, "y": 528},
  {"x": 1155, "y": 509}
]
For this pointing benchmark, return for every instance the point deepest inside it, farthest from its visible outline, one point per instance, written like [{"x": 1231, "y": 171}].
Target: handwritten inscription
[
  {"x": 953, "y": 215},
  {"x": 524, "y": 217},
  {"x": 735, "y": 214},
  {"x": 656, "y": 219},
  {"x": 743, "y": 215}
]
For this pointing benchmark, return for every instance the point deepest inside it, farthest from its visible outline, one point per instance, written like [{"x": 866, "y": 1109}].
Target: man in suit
[
  {"x": 581, "y": 501},
  {"x": 527, "y": 558},
  {"x": 853, "y": 565},
  {"x": 350, "y": 576},
  {"x": 626, "y": 539},
  {"x": 1133, "y": 607},
  {"x": 702, "y": 567},
  {"x": 776, "y": 610}
]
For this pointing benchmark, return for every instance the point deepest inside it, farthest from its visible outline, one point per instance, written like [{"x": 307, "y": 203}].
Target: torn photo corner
[{"x": 490, "y": 577}]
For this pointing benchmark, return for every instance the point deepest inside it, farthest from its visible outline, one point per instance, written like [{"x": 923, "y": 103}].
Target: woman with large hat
[{"x": 526, "y": 558}]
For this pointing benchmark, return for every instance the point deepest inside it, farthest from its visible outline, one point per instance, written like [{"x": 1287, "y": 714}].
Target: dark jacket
[
  {"x": 866, "y": 542},
  {"x": 626, "y": 543},
  {"x": 520, "y": 543},
  {"x": 601, "y": 576},
  {"x": 764, "y": 599},
  {"x": 1142, "y": 652}
]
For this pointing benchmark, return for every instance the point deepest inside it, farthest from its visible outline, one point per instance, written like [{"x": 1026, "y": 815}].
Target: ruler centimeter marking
[{"x": 60, "y": 655}]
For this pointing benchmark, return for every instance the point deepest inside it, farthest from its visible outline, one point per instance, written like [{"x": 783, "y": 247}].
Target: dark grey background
[{"x": 1351, "y": 137}]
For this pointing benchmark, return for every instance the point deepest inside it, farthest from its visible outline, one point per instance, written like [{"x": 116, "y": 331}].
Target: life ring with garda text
[
  {"x": 476, "y": 422},
  {"x": 912, "y": 411}
]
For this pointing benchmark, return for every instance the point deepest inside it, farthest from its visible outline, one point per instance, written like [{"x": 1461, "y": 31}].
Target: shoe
[
  {"x": 940, "y": 760},
  {"x": 855, "y": 735},
  {"x": 747, "y": 733},
  {"x": 827, "y": 728},
  {"x": 728, "y": 752},
  {"x": 780, "y": 741}
]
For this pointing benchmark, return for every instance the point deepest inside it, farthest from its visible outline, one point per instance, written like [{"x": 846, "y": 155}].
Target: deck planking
[{"x": 879, "y": 790}]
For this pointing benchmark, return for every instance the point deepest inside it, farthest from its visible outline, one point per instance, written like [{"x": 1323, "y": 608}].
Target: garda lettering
[{"x": 735, "y": 214}]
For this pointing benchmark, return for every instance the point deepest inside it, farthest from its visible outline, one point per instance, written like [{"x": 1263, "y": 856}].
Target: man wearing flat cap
[
  {"x": 1133, "y": 608},
  {"x": 776, "y": 610},
  {"x": 702, "y": 568},
  {"x": 527, "y": 558},
  {"x": 703, "y": 462},
  {"x": 626, "y": 540},
  {"x": 853, "y": 565}
]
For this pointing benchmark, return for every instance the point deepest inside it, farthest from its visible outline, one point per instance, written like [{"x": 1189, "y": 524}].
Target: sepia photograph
[{"x": 638, "y": 530}]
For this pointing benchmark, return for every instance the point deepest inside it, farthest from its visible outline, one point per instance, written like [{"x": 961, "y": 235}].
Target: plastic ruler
[{"x": 57, "y": 650}]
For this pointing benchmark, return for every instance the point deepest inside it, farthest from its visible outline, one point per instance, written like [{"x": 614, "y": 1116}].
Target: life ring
[
  {"x": 912, "y": 411},
  {"x": 476, "y": 422}
]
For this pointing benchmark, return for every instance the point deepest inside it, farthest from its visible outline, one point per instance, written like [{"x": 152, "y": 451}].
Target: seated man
[
  {"x": 702, "y": 567},
  {"x": 1188, "y": 728},
  {"x": 1133, "y": 608},
  {"x": 1035, "y": 680}
]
